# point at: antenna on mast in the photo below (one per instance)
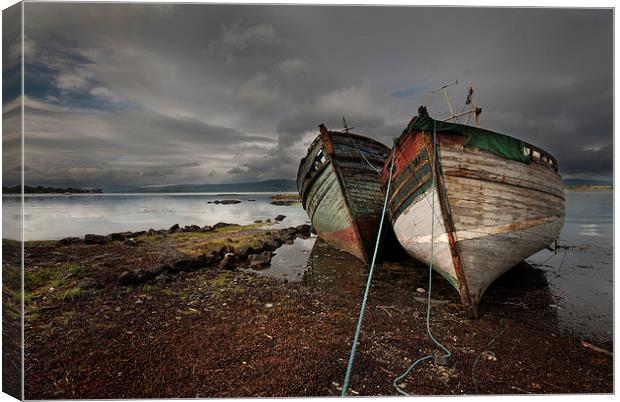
(473, 110)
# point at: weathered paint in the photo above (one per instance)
(496, 212)
(340, 192)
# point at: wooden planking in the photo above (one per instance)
(457, 159)
(343, 196)
(413, 228)
(502, 210)
(515, 211)
(486, 258)
(326, 204)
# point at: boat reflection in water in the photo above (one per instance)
(332, 270)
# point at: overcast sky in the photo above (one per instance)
(167, 94)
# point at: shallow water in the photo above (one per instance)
(52, 217)
(580, 275)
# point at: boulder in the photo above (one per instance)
(68, 240)
(95, 239)
(303, 229)
(280, 218)
(174, 228)
(261, 260)
(244, 252)
(228, 261)
(151, 232)
(191, 228)
(206, 228)
(131, 242)
(226, 202)
(127, 278)
(223, 225)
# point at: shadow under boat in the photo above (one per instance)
(332, 270)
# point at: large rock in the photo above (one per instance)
(174, 228)
(191, 228)
(223, 225)
(69, 240)
(243, 252)
(225, 202)
(228, 261)
(95, 239)
(127, 278)
(271, 244)
(303, 229)
(261, 260)
(280, 218)
(120, 236)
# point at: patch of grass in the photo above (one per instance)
(39, 243)
(149, 288)
(70, 293)
(52, 276)
(222, 280)
(180, 293)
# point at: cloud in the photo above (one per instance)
(137, 92)
(261, 94)
(105, 93)
(292, 67)
(74, 80)
(408, 92)
(237, 170)
(235, 38)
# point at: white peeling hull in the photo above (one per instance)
(503, 211)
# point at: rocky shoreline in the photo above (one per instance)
(183, 312)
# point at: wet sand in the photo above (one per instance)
(162, 316)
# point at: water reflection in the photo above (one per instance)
(334, 271)
(581, 273)
(51, 217)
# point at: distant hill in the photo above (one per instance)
(586, 183)
(280, 185)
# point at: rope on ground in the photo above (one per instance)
(347, 378)
(447, 354)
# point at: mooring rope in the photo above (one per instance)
(347, 377)
(447, 354)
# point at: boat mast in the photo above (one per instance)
(470, 105)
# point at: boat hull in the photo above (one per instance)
(340, 191)
(486, 213)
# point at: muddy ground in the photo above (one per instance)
(159, 314)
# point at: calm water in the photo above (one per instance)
(580, 275)
(54, 217)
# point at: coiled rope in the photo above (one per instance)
(447, 354)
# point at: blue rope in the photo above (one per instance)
(430, 283)
(347, 377)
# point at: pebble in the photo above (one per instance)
(420, 290)
(268, 305)
(117, 309)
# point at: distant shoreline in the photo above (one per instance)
(589, 188)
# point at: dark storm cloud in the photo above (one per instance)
(157, 94)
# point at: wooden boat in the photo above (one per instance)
(497, 200)
(340, 186)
